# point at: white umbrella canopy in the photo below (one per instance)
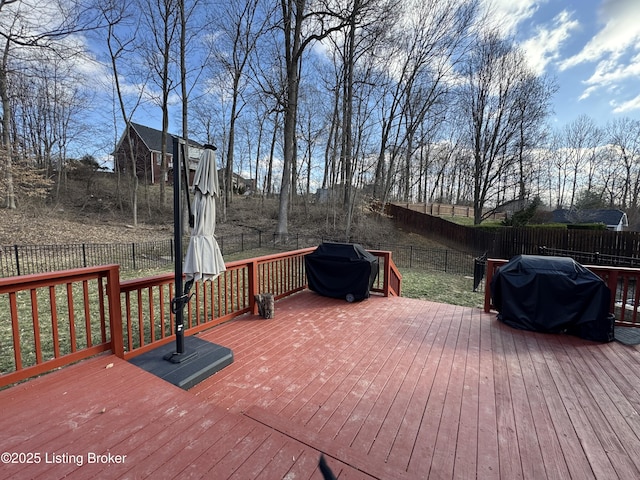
(203, 260)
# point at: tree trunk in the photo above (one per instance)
(293, 35)
(10, 201)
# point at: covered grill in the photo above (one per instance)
(552, 295)
(341, 270)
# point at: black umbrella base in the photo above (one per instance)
(200, 360)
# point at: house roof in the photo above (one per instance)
(609, 217)
(153, 138)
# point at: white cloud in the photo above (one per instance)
(620, 32)
(508, 14)
(545, 46)
(628, 106)
(611, 74)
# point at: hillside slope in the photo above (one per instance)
(90, 219)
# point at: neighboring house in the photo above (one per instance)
(147, 145)
(240, 184)
(614, 219)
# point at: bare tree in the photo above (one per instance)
(491, 101)
(429, 42)
(162, 21)
(624, 138)
(239, 24)
(301, 25)
(27, 26)
(581, 140)
(121, 46)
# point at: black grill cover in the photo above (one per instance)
(341, 270)
(552, 295)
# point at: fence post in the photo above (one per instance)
(84, 255)
(242, 242)
(133, 254)
(411, 256)
(446, 260)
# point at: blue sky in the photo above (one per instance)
(590, 47)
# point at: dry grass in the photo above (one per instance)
(96, 217)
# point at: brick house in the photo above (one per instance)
(147, 145)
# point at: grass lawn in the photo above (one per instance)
(440, 287)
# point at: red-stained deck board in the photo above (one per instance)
(527, 438)
(466, 447)
(627, 421)
(548, 446)
(343, 352)
(436, 409)
(405, 441)
(392, 392)
(384, 383)
(565, 379)
(386, 388)
(381, 433)
(488, 463)
(442, 464)
(339, 407)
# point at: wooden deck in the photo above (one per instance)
(388, 388)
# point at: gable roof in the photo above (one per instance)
(610, 217)
(152, 138)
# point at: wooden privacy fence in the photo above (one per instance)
(506, 242)
(52, 319)
(447, 210)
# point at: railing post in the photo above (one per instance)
(387, 273)
(612, 283)
(487, 283)
(253, 285)
(115, 311)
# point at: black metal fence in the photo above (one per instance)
(585, 258)
(593, 258)
(29, 259)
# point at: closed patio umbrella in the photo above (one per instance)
(203, 260)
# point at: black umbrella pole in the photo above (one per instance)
(180, 300)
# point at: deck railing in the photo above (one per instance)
(53, 319)
(624, 284)
(147, 318)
